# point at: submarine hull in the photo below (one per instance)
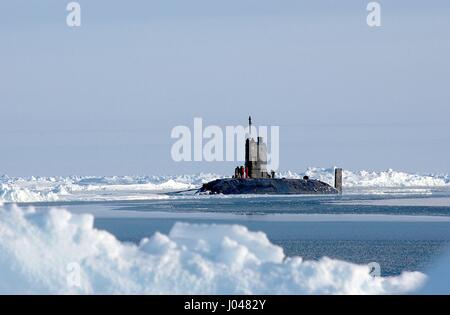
(267, 186)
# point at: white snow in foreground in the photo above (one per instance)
(56, 251)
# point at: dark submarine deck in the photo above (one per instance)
(267, 186)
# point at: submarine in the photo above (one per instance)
(253, 177)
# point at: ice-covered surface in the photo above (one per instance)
(90, 188)
(371, 179)
(55, 251)
(402, 202)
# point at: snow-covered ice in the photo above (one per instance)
(55, 251)
(105, 188)
(371, 179)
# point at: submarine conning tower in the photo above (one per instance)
(256, 168)
(253, 178)
(256, 155)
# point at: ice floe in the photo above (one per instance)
(55, 251)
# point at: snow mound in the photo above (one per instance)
(56, 251)
(14, 194)
(48, 189)
(371, 179)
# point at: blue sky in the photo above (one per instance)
(102, 99)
